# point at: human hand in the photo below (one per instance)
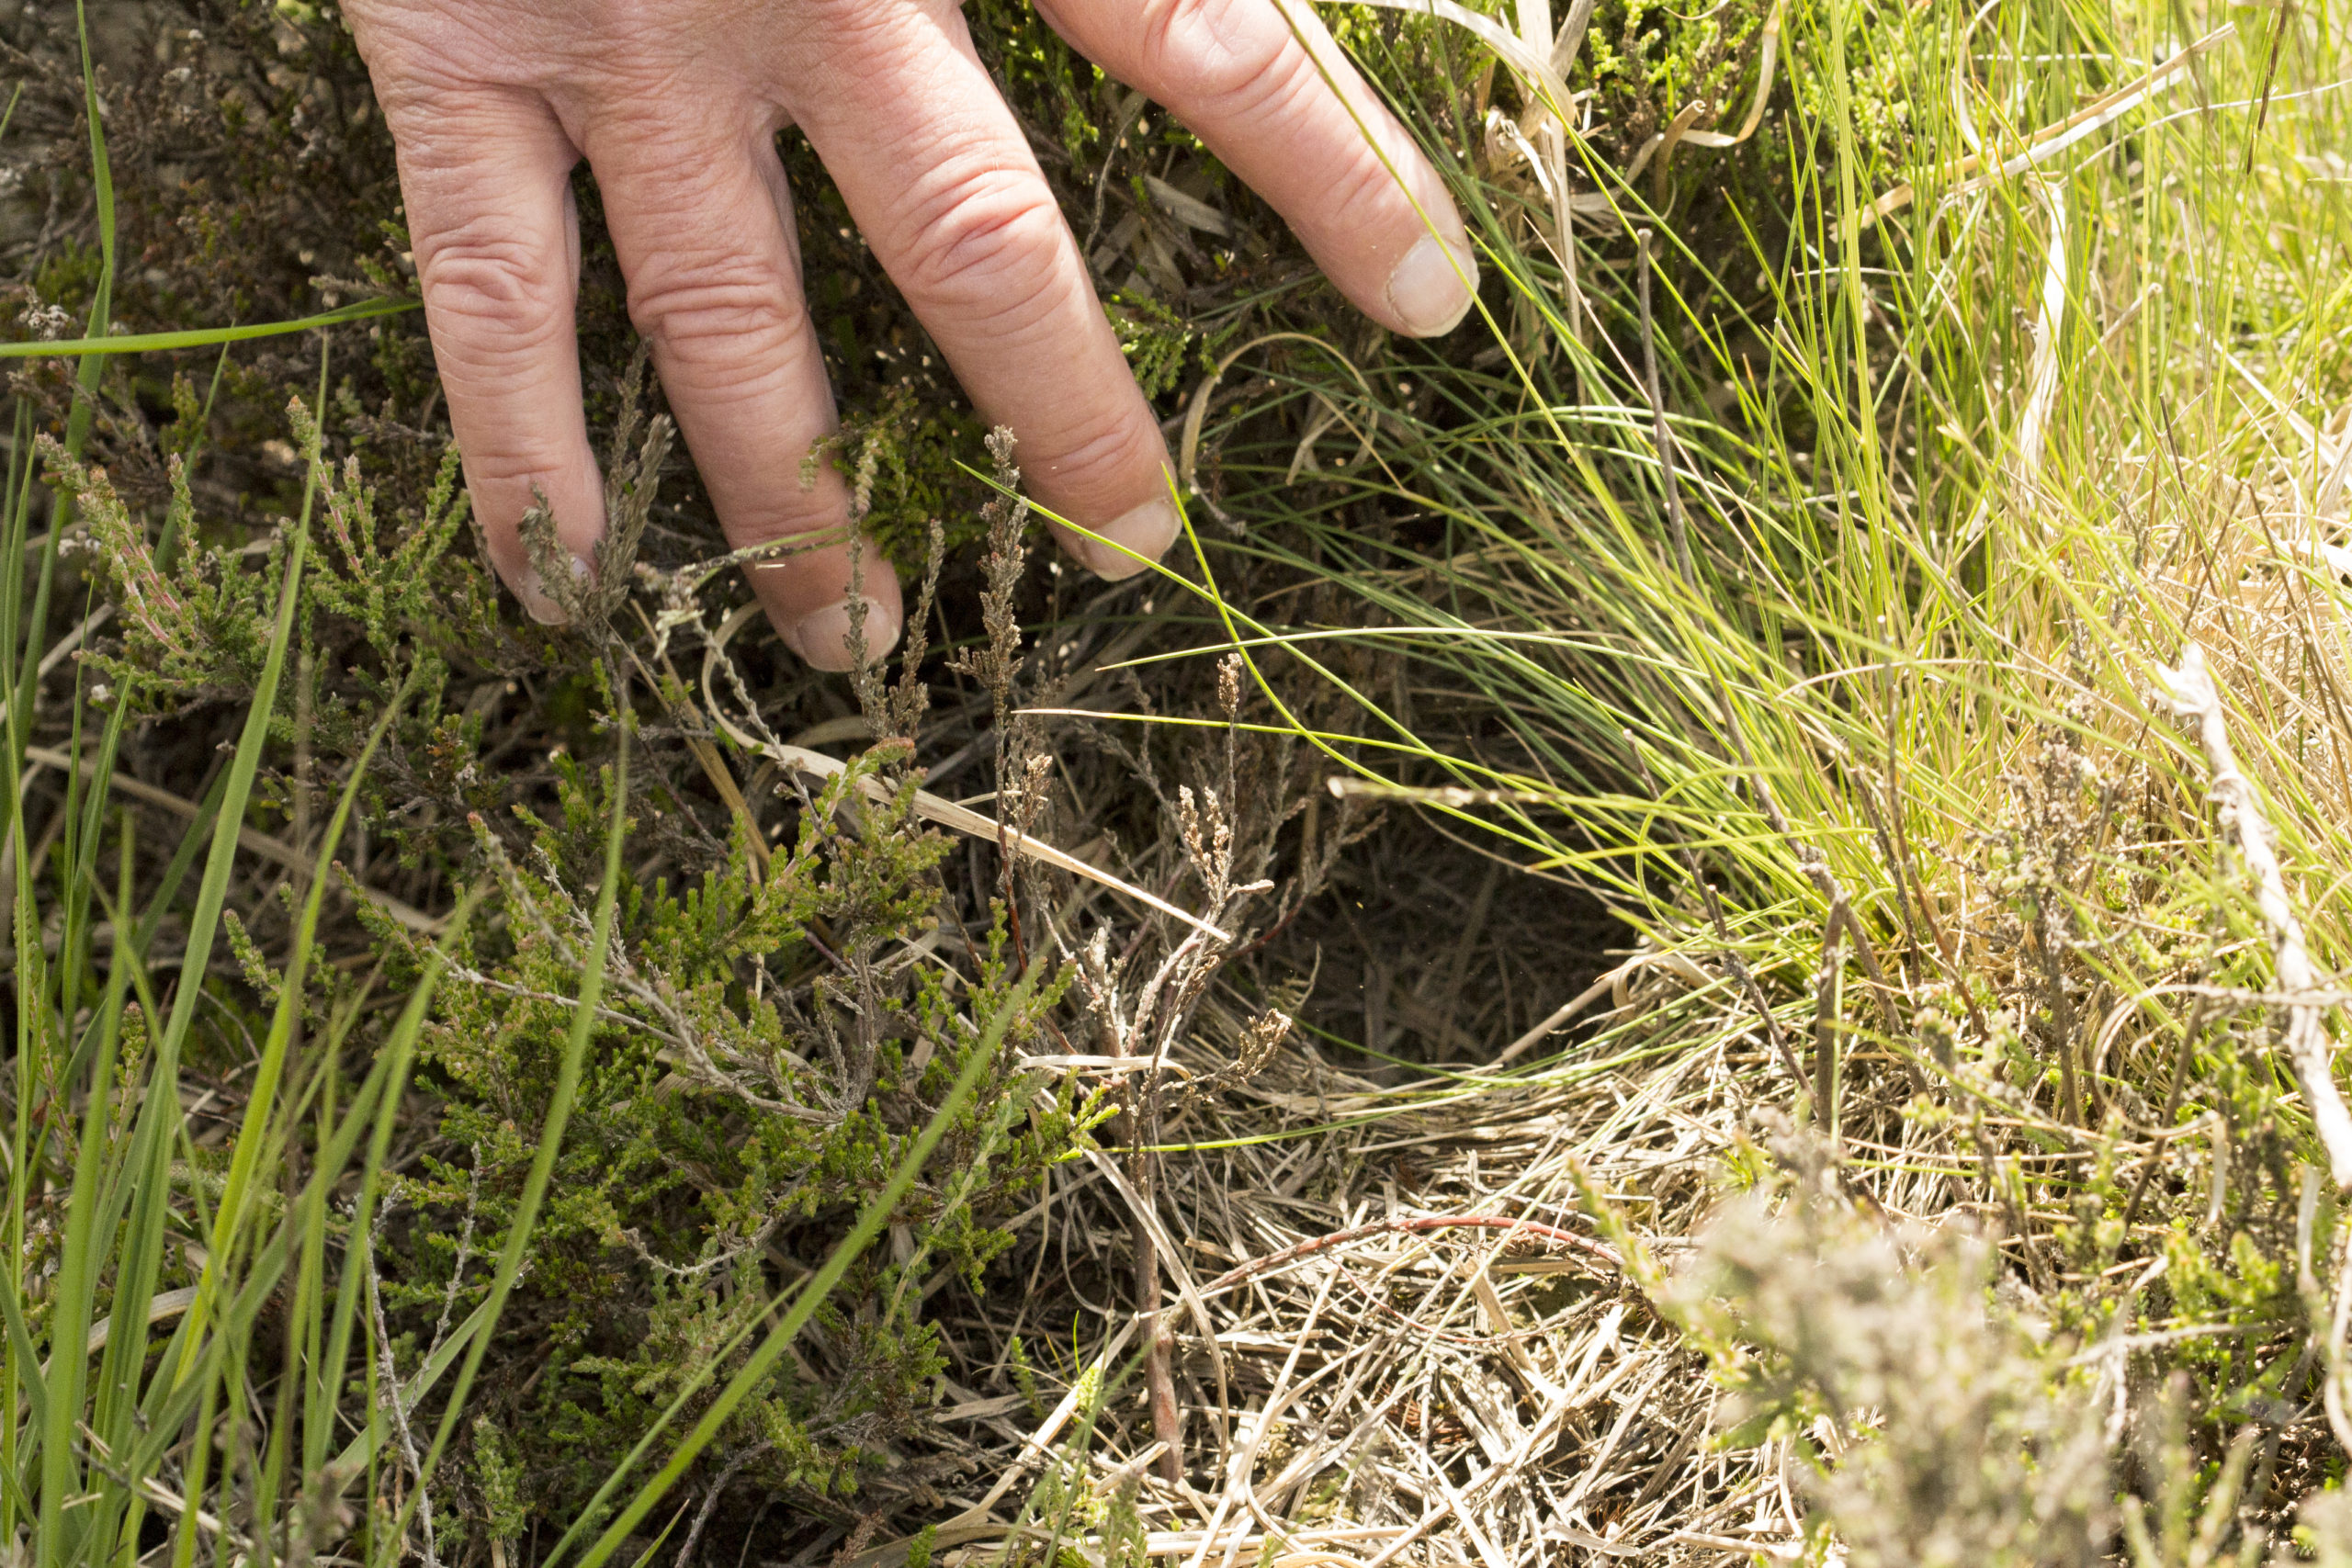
(676, 104)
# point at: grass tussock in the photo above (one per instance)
(1879, 573)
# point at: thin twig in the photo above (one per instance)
(2198, 701)
(710, 1499)
(399, 1409)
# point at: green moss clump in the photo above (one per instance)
(1162, 349)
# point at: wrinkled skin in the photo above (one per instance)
(675, 104)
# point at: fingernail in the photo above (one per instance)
(821, 636)
(1426, 291)
(538, 603)
(1147, 531)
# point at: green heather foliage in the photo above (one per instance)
(197, 629)
(748, 1086)
(772, 1034)
(1646, 60)
(1875, 668)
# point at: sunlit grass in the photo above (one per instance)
(1982, 466)
(1877, 719)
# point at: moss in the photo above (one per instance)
(1051, 87)
(909, 466)
(1647, 60)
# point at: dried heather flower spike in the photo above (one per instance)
(1007, 513)
(1024, 797)
(630, 480)
(1960, 1441)
(1248, 1048)
(865, 675)
(562, 576)
(909, 699)
(589, 593)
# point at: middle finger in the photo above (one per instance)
(701, 223)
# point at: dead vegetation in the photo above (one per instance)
(1769, 1052)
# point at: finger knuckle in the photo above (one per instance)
(982, 238)
(1362, 193)
(854, 24)
(1209, 53)
(495, 283)
(711, 314)
(1101, 461)
(510, 464)
(787, 516)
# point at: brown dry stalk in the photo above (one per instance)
(2198, 703)
(1160, 1350)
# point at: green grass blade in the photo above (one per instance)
(75, 1282)
(256, 1134)
(74, 1294)
(213, 892)
(92, 348)
(88, 374)
(558, 1112)
(393, 1065)
(18, 1358)
(376, 1106)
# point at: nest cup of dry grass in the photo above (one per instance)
(1697, 925)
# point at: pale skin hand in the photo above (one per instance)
(675, 104)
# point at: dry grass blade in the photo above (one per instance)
(252, 840)
(1768, 59)
(1422, 1225)
(2051, 141)
(1536, 69)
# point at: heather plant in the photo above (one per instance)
(196, 629)
(771, 1035)
(1937, 1425)
(775, 1031)
(1828, 628)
